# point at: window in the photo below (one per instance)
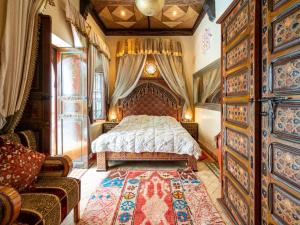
(98, 97)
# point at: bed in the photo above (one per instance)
(149, 129)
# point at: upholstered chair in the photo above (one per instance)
(50, 199)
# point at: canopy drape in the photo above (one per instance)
(209, 83)
(18, 56)
(168, 55)
(171, 69)
(105, 65)
(75, 18)
(148, 46)
(130, 69)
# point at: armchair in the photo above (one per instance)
(48, 201)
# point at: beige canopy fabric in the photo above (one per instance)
(130, 68)
(171, 69)
(138, 46)
(75, 18)
(18, 55)
(99, 44)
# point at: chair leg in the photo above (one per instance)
(77, 213)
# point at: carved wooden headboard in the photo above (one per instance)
(151, 97)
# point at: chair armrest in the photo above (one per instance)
(56, 166)
(10, 205)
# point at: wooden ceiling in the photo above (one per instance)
(116, 17)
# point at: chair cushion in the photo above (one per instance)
(67, 189)
(19, 166)
(39, 207)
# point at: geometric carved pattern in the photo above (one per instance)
(285, 206)
(237, 24)
(237, 113)
(236, 199)
(151, 98)
(287, 120)
(238, 54)
(237, 142)
(237, 171)
(241, 75)
(287, 29)
(126, 16)
(285, 163)
(237, 83)
(286, 75)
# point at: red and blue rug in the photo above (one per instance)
(151, 198)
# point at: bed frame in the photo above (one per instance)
(150, 97)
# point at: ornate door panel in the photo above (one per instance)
(281, 112)
(72, 106)
(37, 113)
(240, 120)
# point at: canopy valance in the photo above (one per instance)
(148, 46)
(75, 18)
(101, 46)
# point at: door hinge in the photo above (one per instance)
(276, 99)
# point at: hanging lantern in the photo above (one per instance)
(149, 7)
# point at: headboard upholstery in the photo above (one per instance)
(151, 97)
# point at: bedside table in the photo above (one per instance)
(192, 128)
(107, 126)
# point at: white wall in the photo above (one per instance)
(209, 121)
(60, 27)
(203, 59)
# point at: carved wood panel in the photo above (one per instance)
(37, 113)
(281, 107)
(240, 120)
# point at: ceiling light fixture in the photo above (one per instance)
(174, 13)
(150, 7)
(123, 13)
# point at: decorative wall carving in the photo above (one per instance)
(237, 142)
(151, 98)
(237, 113)
(237, 54)
(287, 121)
(238, 202)
(238, 23)
(237, 83)
(285, 163)
(237, 171)
(285, 207)
(286, 75)
(286, 30)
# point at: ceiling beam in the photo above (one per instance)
(146, 32)
(167, 2)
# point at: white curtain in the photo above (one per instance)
(171, 69)
(105, 66)
(130, 69)
(18, 54)
(94, 61)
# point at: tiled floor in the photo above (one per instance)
(91, 179)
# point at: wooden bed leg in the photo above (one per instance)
(101, 161)
(192, 163)
(77, 213)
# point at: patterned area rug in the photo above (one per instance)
(151, 198)
(214, 167)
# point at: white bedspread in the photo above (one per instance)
(143, 133)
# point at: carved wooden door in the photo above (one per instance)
(240, 116)
(281, 112)
(37, 113)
